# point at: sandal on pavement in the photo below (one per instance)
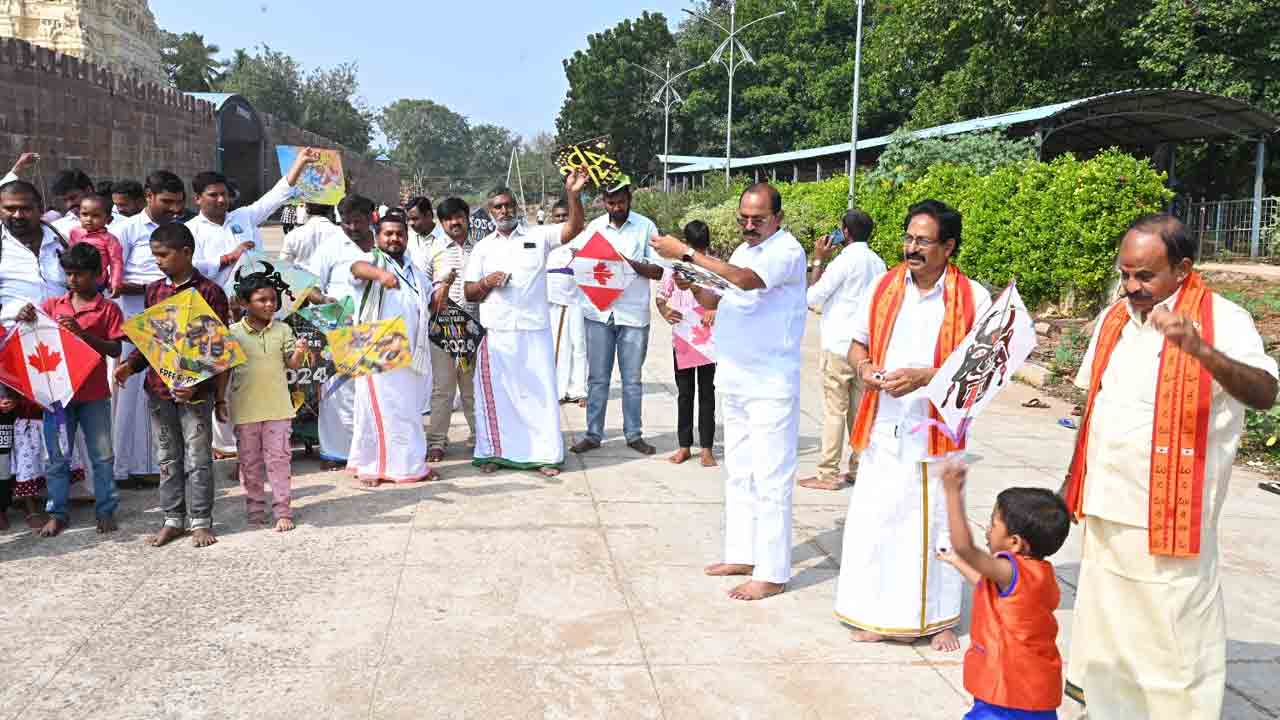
(1036, 403)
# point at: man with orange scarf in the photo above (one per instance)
(892, 584)
(1169, 372)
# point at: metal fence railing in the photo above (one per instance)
(1224, 228)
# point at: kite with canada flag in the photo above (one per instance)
(601, 273)
(45, 363)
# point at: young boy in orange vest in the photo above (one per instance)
(1012, 668)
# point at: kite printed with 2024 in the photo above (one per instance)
(321, 182)
(596, 156)
(183, 340)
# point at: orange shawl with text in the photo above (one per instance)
(1179, 434)
(957, 319)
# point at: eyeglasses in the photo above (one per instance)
(746, 221)
(922, 242)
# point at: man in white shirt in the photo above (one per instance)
(622, 329)
(301, 245)
(223, 235)
(424, 231)
(127, 200)
(332, 263)
(441, 264)
(1169, 372)
(892, 582)
(517, 413)
(837, 293)
(131, 427)
(566, 318)
(30, 272)
(758, 329)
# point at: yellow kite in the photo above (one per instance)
(370, 348)
(184, 340)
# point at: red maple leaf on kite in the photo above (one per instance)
(602, 273)
(700, 334)
(44, 361)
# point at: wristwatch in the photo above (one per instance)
(687, 257)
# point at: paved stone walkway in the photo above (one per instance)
(510, 596)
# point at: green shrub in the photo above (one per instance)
(1052, 226)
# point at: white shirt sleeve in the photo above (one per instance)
(1236, 336)
(777, 264)
(9, 177)
(474, 270)
(862, 318)
(278, 195)
(290, 249)
(834, 276)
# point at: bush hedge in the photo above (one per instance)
(1053, 226)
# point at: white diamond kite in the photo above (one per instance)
(602, 274)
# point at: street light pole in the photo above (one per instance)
(857, 81)
(667, 97)
(732, 64)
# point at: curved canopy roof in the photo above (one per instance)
(1127, 118)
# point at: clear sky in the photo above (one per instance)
(496, 61)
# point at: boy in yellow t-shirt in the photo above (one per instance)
(261, 408)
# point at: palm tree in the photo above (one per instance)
(190, 63)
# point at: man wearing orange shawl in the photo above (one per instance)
(1169, 372)
(892, 584)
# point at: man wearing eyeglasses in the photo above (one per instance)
(759, 326)
(913, 317)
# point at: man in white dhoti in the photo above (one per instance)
(567, 328)
(757, 333)
(388, 443)
(517, 413)
(1148, 638)
(223, 235)
(131, 426)
(332, 262)
(892, 583)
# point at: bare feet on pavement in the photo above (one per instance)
(818, 483)
(489, 468)
(708, 458)
(945, 641)
(680, 456)
(202, 537)
(107, 525)
(548, 471)
(258, 518)
(723, 569)
(166, 535)
(756, 590)
(284, 524)
(52, 528)
(866, 636)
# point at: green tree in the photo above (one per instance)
(425, 137)
(192, 66)
(608, 95)
(491, 147)
(324, 101)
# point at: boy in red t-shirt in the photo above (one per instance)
(95, 213)
(85, 313)
(1013, 668)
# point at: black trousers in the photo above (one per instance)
(704, 377)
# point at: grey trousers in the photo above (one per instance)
(183, 437)
(445, 379)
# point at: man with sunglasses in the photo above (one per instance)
(759, 326)
(892, 583)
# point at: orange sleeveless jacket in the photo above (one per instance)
(1013, 658)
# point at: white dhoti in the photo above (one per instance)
(760, 459)
(131, 423)
(891, 580)
(517, 411)
(571, 350)
(337, 413)
(388, 442)
(224, 437)
(1148, 639)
